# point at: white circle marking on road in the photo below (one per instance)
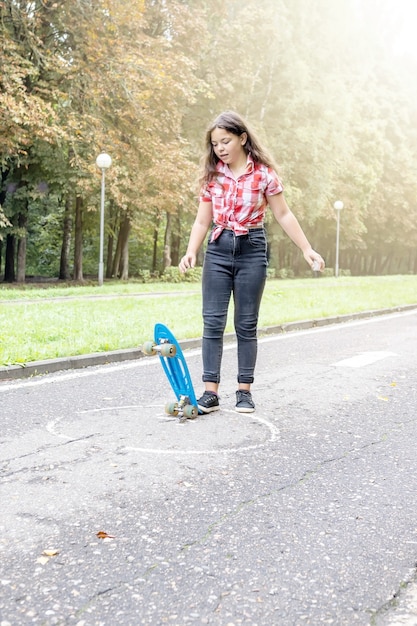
(53, 427)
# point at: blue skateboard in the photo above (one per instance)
(176, 370)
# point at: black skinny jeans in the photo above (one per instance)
(233, 264)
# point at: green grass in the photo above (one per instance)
(43, 323)
(66, 290)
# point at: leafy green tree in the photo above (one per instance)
(327, 109)
(27, 114)
(142, 79)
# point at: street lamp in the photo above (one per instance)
(103, 162)
(338, 206)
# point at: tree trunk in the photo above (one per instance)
(155, 244)
(109, 261)
(21, 259)
(251, 90)
(9, 269)
(124, 245)
(78, 242)
(117, 255)
(266, 99)
(22, 221)
(3, 178)
(64, 272)
(110, 239)
(167, 242)
(176, 240)
(383, 265)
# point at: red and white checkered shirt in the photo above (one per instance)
(239, 204)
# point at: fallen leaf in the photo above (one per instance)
(103, 535)
(50, 552)
(42, 560)
(382, 398)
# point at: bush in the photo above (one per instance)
(329, 272)
(285, 272)
(145, 276)
(173, 275)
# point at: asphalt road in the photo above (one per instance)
(302, 513)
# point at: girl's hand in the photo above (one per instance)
(187, 262)
(315, 261)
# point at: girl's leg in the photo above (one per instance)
(217, 287)
(249, 282)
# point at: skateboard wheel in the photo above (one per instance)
(171, 408)
(148, 348)
(168, 349)
(190, 411)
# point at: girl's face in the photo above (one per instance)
(228, 147)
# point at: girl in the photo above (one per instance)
(238, 182)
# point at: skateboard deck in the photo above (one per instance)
(176, 370)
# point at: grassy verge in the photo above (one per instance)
(37, 324)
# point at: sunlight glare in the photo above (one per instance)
(404, 18)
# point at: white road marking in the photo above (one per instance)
(365, 358)
(274, 432)
(55, 428)
(64, 375)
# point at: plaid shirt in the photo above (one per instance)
(240, 204)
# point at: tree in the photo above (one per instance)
(142, 80)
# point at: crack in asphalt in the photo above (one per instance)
(40, 450)
(393, 603)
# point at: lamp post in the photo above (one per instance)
(338, 206)
(103, 162)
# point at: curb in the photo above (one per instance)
(36, 368)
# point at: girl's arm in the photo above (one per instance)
(289, 223)
(199, 231)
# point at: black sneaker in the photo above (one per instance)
(244, 402)
(208, 402)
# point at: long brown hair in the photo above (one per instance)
(235, 124)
